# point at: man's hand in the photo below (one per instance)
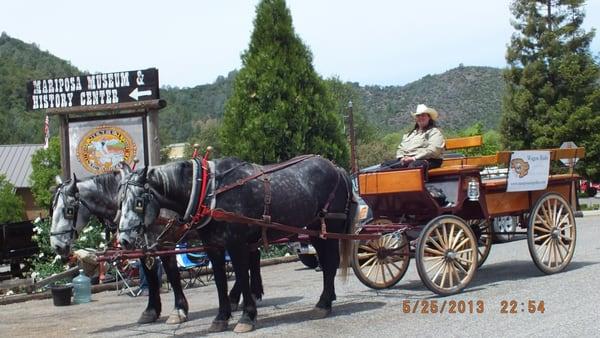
(407, 159)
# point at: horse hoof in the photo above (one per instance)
(243, 327)
(148, 316)
(320, 313)
(218, 326)
(177, 316)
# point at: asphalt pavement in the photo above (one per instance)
(507, 282)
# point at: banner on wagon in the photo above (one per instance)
(528, 170)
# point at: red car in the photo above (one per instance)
(590, 188)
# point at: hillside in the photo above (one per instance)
(463, 96)
(19, 63)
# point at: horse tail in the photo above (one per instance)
(351, 220)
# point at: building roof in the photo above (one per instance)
(15, 163)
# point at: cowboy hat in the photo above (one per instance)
(423, 109)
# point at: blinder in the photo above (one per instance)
(140, 202)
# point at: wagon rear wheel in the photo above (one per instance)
(551, 233)
(482, 228)
(382, 262)
(446, 255)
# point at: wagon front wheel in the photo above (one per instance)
(382, 262)
(551, 233)
(446, 255)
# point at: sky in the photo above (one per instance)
(191, 43)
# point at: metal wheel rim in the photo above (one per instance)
(552, 233)
(447, 255)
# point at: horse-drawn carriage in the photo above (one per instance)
(443, 218)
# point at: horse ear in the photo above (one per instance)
(124, 169)
(72, 187)
(144, 175)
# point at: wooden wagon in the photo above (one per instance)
(451, 235)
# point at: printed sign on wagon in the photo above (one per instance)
(528, 170)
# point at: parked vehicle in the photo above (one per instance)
(307, 253)
(16, 245)
(589, 187)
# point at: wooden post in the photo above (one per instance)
(353, 159)
(64, 147)
(153, 138)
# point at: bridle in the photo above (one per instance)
(70, 210)
(139, 204)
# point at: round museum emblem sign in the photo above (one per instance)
(103, 147)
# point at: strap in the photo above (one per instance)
(270, 169)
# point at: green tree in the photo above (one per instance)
(11, 205)
(552, 93)
(280, 107)
(45, 166)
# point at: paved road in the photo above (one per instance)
(571, 304)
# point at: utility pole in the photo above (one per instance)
(353, 159)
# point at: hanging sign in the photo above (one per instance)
(92, 90)
(528, 170)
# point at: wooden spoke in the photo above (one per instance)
(366, 255)
(368, 248)
(465, 241)
(368, 263)
(433, 251)
(542, 237)
(433, 241)
(441, 261)
(441, 238)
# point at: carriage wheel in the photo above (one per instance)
(446, 255)
(551, 233)
(382, 262)
(482, 228)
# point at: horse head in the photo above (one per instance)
(68, 217)
(139, 207)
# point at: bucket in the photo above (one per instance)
(61, 294)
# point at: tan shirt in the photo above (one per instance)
(422, 145)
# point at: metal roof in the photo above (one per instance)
(15, 163)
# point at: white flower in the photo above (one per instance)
(103, 235)
(88, 229)
(34, 238)
(36, 229)
(34, 276)
(56, 259)
(37, 220)
(41, 255)
(82, 238)
(101, 246)
(10, 292)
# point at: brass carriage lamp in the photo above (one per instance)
(473, 189)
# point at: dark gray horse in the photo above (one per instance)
(306, 191)
(75, 201)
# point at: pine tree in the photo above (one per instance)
(280, 107)
(553, 91)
